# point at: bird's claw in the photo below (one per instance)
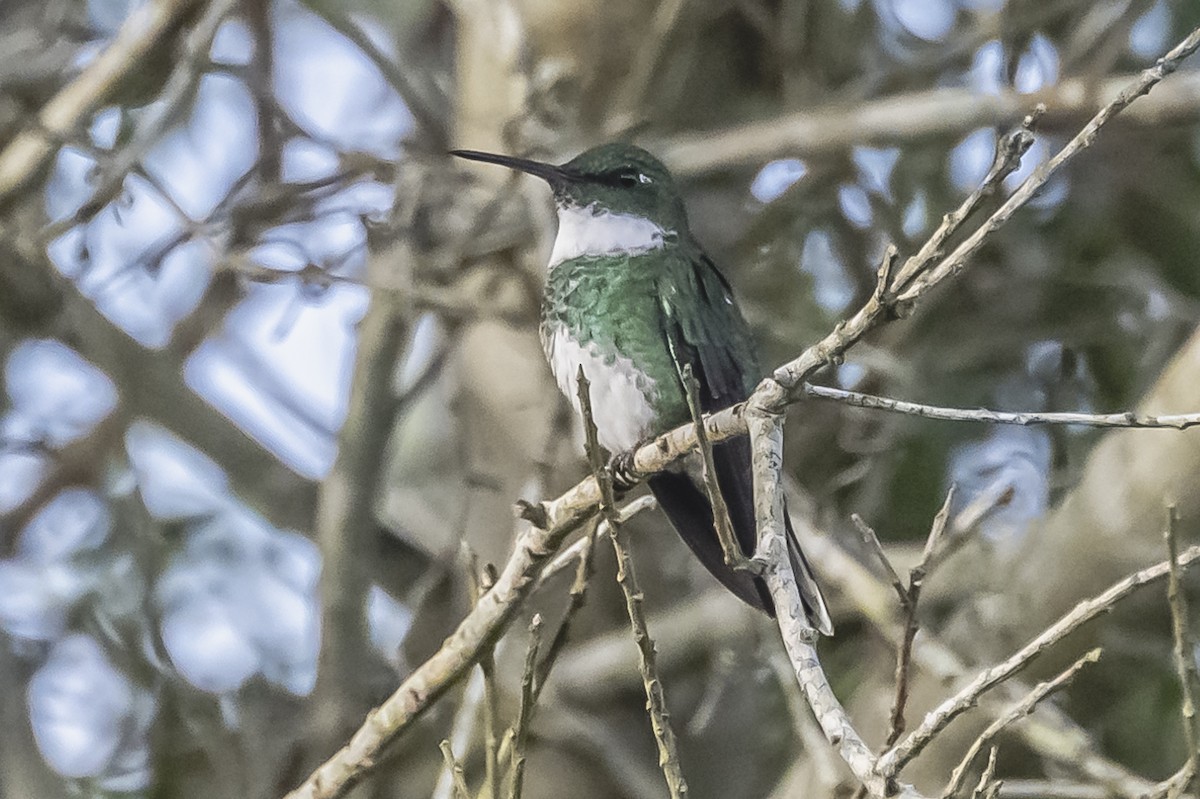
(620, 467)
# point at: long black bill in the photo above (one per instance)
(550, 173)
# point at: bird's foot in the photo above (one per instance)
(620, 466)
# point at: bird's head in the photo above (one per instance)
(616, 179)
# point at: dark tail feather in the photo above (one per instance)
(690, 514)
(810, 593)
(686, 505)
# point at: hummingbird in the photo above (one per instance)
(632, 297)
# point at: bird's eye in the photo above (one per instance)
(628, 178)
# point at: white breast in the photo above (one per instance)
(595, 231)
(618, 392)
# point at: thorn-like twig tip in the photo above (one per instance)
(533, 512)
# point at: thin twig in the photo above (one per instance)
(916, 578)
(1065, 789)
(1185, 660)
(885, 302)
(1049, 732)
(520, 731)
(1175, 786)
(461, 732)
(920, 275)
(570, 555)
(984, 788)
(884, 275)
(608, 505)
(456, 771)
(656, 704)
(909, 597)
(1013, 714)
(458, 653)
(475, 692)
(937, 719)
(872, 540)
(732, 552)
(575, 600)
(956, 261)
(995, 494)
(491, 723)
(1010, 149)
(1179, 421)
(1053, 789)
(937, 531)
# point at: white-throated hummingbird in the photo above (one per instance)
(632, 297)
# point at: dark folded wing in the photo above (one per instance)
(705, 329)
(687, 506)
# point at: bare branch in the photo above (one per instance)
(1016, 712)
(602, 475)
(799, 638)
(68, 110)
(909, 597)
(1064, 789)
(1174, 787)
(1059, 789)
(1180, 421)
(576, 597)
(520, 731)
(872, 540)
(955, 262)
(886, 299)
(572, 553)
(913, 117)
(937, 719)
(112, 171)
(1185, 648)
(482, 626)
(456, 770)
(344, 522)
(986, 788)
(656, 703)
(461, 731)
(491, 711)
(1048, 732)
(1010, 149)
(916, 578)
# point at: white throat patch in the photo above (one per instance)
(592, 231)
